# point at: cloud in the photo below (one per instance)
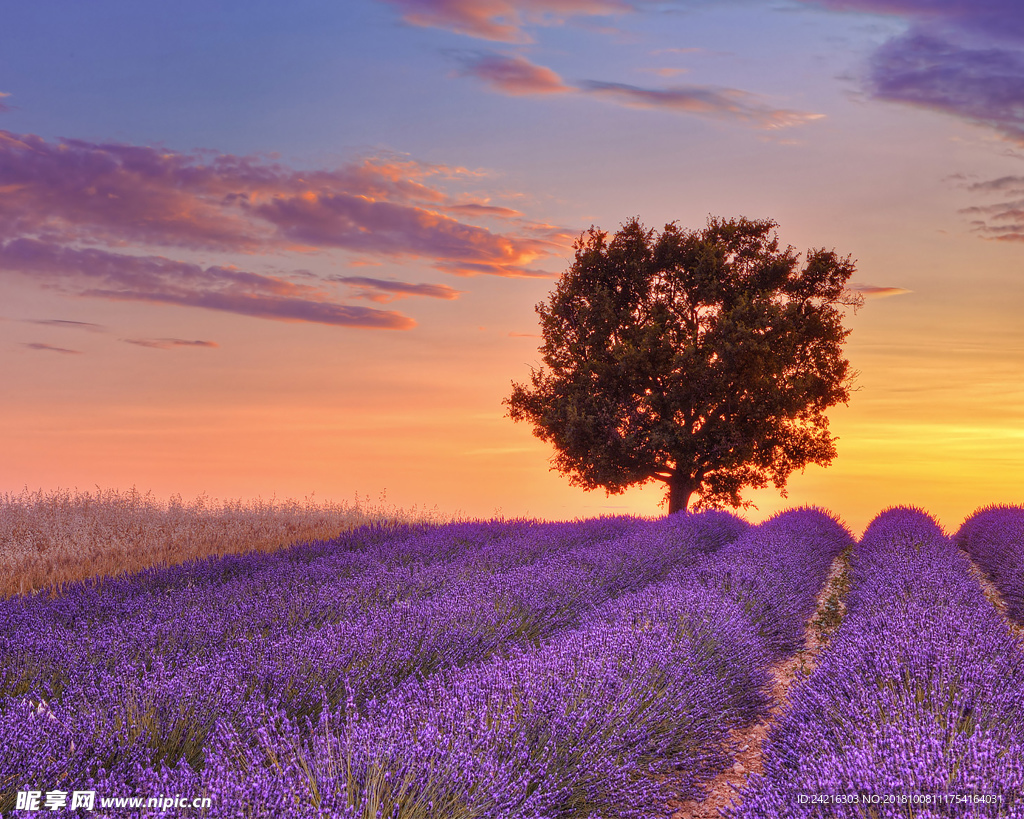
(962, 57)
(1003, 221)
(121, 194)
(386, 290)
(985, 85)
(118, 276)
(357, 223)
(3, 105)
(73, 211)
(1002, 17)
(487, 269)
(874, 291)
(517, 76)
(511, 74)
(51, 349)
(666, 72)
(74, 325)
(525, 335)
(500, 20)
(475, 209)
(696, 99)
(1009, 184)
(167, 343)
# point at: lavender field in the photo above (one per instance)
(518, 669)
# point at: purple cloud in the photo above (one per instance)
(729, 103)
(486, 269)
(1003, 221)
(51, 349)
(981, 84)
(89, 216)
(167, 343)
(1001, 17)
(75, 191)
(99, 273)
(962, 57)
(74, 325)
(385, 290)
(1008, 184)
(356, 223)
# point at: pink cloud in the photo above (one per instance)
(500, 20)
(513, 74)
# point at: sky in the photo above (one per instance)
(263, 249)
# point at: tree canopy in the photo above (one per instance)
(703, 359)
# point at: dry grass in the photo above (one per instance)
(47, 540)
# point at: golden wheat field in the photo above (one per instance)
(48, 539)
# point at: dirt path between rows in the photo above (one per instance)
(722, 789)
(992, 593)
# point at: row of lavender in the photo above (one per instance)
(612, 718)
(617, 689)
(135, 673)
(994, 538)
(916, 704)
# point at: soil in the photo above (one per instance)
(722, 790)
(992, 593)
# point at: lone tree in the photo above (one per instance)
(702, 359)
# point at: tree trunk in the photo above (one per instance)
(680, 488)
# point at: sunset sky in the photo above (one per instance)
(262, 248)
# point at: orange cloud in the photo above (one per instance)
(873, 291)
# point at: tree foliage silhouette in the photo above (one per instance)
(703, 359)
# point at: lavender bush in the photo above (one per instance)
(921, 692)
(126, 682)
(611, 718)
(994, 538)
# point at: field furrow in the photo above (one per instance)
(915, 708)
